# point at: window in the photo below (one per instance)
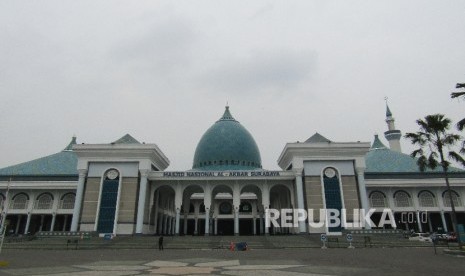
(402, 199)
(44, 201)
(455, 199)
(67, 201)
(426, 199)
(377, 199)
(19, 201)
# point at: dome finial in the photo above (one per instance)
(227, 114)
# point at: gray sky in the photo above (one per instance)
(163, 71)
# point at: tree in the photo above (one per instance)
(435, 142)
(461, 123)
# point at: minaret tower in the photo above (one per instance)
(393, 135)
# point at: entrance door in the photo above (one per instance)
(332, 194)
(225, 227)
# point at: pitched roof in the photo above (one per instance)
(317, 138)
(61, 163)
(126, 139)
(381, 159)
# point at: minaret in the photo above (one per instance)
(393, 135)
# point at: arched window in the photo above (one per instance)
(378, 199)
(402, 199)
(20, 201)
(67, 201)
(455, 199)
(44, 201)
(426, 199)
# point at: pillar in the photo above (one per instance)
(363, 191)
(65, 222)
(207, 221)
(444, 223)
(178, 217)
(254, 225)
(165, 223)
(17, 224)
(216, 226)
(300, 197)
(28, 222)
(185, 223)
(420, 228)
(142, 196)
(52, 225)
(41, 222)
(160, 224)
(236, 220)
(155, 220)
(78, 200)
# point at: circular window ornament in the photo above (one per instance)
(225, 208)
(112, 174)
(330, 173)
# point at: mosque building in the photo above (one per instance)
(123, 187)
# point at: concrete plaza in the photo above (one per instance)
(366, 261)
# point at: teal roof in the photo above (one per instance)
(380, 159)
(388, 111)
(227, 145)
(61, 163)
(377, 144)
(126, 139)
(317, 138)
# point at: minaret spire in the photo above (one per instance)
(392, 135)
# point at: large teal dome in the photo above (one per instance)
(227, 145)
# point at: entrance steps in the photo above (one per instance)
(212, 242)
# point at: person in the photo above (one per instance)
(160, 243)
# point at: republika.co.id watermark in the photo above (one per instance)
(328, 218)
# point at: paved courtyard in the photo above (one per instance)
(369, 261)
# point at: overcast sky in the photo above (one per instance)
(163, 71)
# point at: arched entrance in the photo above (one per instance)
(280, 198)
(163, 215)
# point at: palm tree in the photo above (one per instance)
(461, 123)
(435, 141)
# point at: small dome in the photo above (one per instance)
(227, 145)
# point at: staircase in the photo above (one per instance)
(211, 242)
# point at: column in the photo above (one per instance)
(165, 222)
(52, 225)
(65, 222)
(216, 226)
(254, 225)
(78, 200)
(430, 225)
(17, 224)
(207, 221)
(363, 191)
(196, 227)
(185, 223)
(178, 216)
(142, 196)
(420, 228)
(236, 206)
(300, 197)
(160, 224)
(41, 222)
(155, 220)
(28, 221)
(443, 219)
(236, 220)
